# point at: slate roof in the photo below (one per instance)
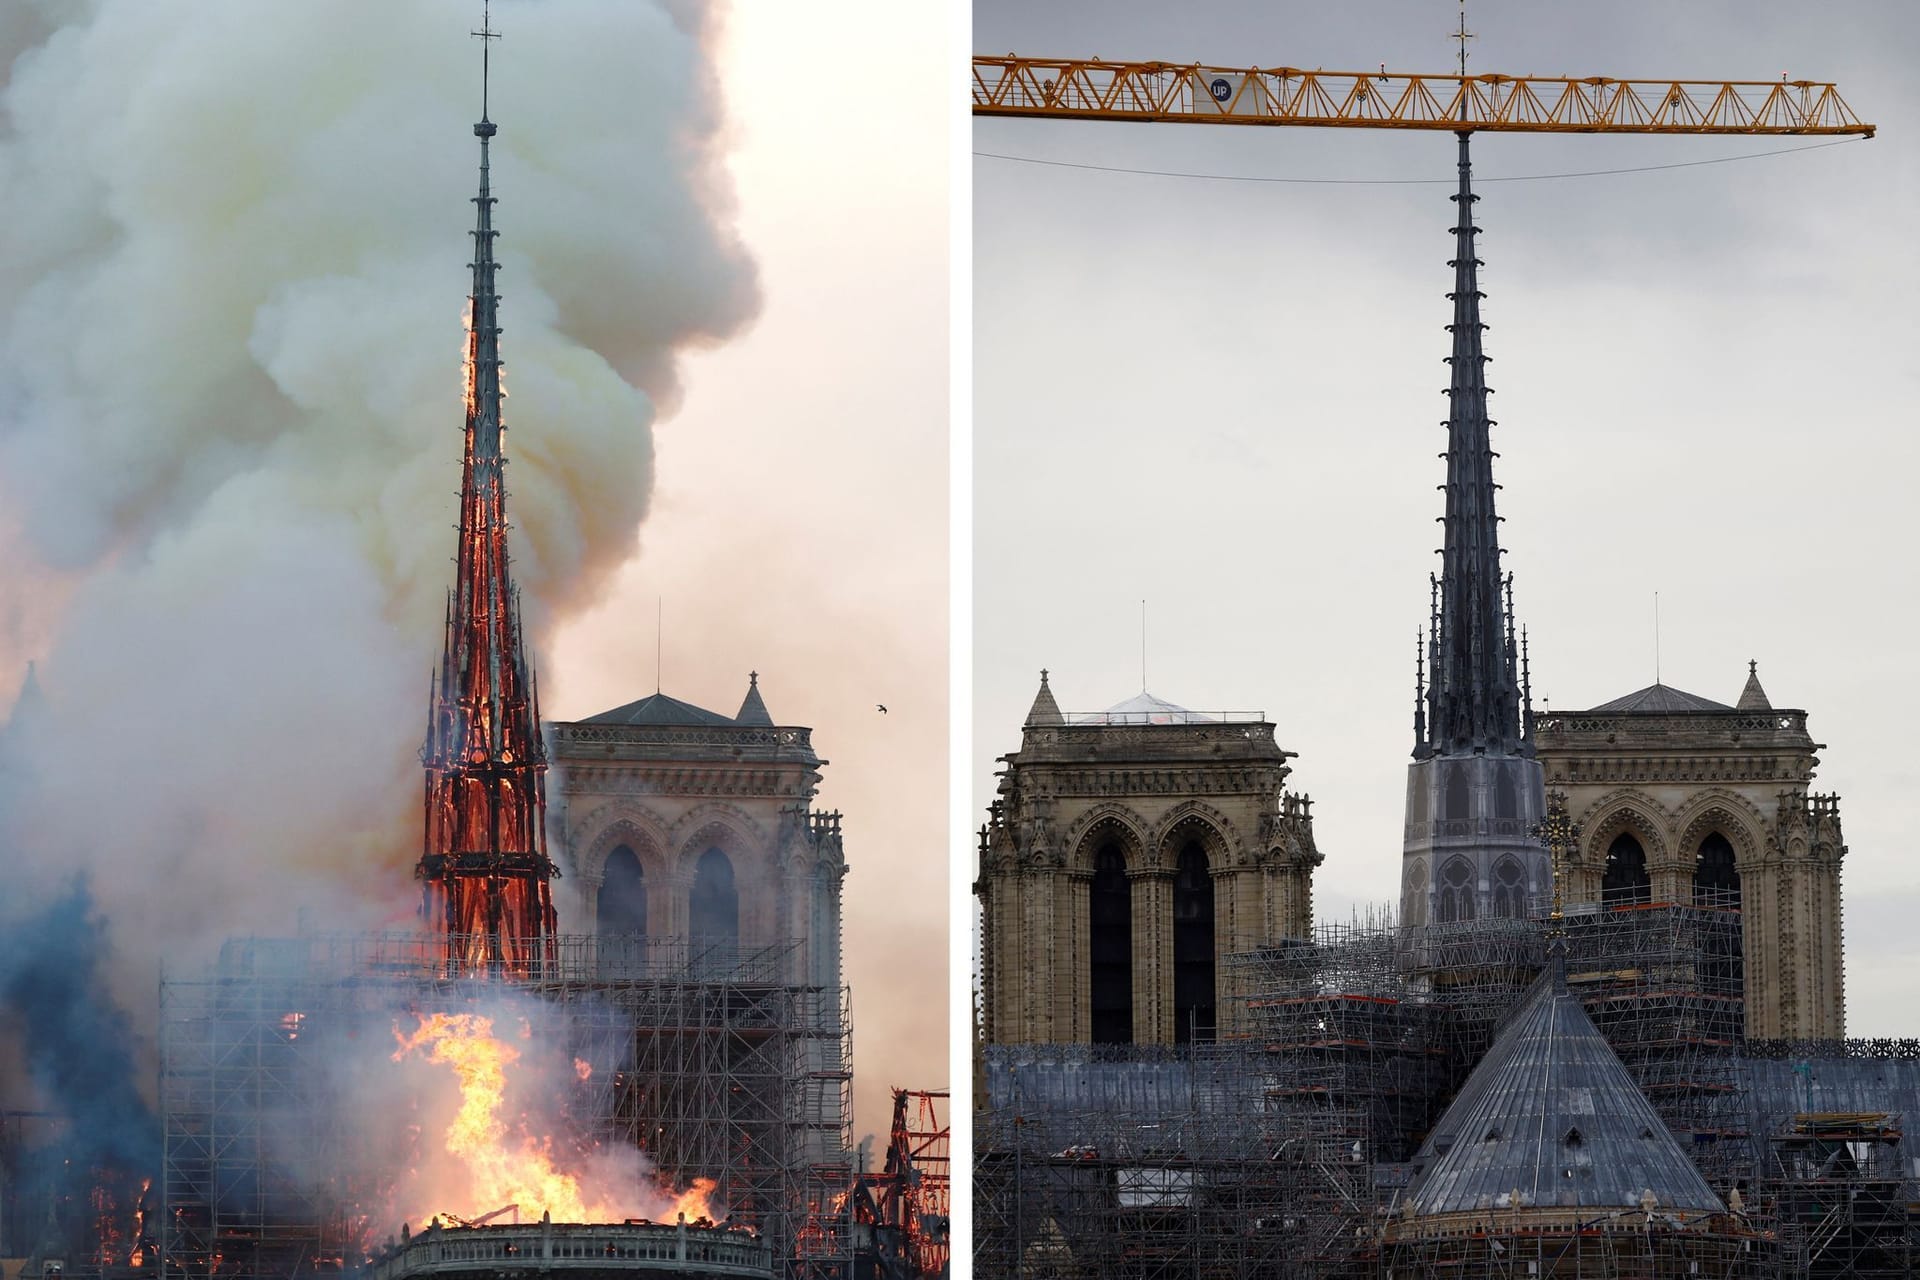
(1552, 1114)
(658, 708)
(1658, 698)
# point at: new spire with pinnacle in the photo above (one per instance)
(484, 860)
(1473, 700)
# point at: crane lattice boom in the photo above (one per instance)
(1089, 89)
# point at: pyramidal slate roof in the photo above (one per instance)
(1753, 697)
(1044, 709)
(658, 708)
(1551, 1115)
(753, 708)
(1657, 698)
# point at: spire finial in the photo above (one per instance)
(487, 36)
(1462, 35)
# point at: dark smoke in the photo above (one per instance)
(77, 1045)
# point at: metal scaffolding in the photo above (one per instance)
(712, 1061)
(1839, 1198)
(1279, 1150)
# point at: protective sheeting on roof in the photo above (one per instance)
(1550, 1118)
(659, 709)
(1144, 708)
(1660, 698)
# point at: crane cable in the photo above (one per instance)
(1400, 182)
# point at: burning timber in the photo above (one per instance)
(587, 1251)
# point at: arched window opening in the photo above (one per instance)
(1456, 892)
(1110, 946)
(1716, 883)
(1509, 889)
(1459, 801)
(1414, 909)
(1506, 797)
(1716, 880)
(1194, 1008)
(713, 917)
(623, 896)
(1625, 881)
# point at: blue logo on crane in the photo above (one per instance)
(1220, 89)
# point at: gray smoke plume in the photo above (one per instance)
(231, 298)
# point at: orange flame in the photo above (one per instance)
(503, 1169)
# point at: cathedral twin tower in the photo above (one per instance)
(1131, 852)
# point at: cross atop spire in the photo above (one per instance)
(487, 36)
(1473, 692)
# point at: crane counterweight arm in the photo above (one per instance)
(1090, 89)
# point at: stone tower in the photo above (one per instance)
(1127, 854)
(685, 827)
(1474, 789)
(1682, 799)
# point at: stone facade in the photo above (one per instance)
(678, 823)
(1682, 799)
(1127, 854)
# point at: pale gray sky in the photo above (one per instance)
(1225, 397)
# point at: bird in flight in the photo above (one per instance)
(882, 706)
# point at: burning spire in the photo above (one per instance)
(484, 860)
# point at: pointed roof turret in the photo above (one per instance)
(1753, 697)
(1551, 1119)
(1473, 693)
(753, 710)
(1044, 710)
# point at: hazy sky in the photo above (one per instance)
(800, 516)
(1225, 397)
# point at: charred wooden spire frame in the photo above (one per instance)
(484, 860)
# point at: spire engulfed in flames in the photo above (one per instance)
(506, 1164)
(485, 860)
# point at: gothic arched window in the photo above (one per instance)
(623, 896)
(1509, 889)
(1716, 880)
(1414, 910)
(1625, 880)
(1110, 946)
(1194, 1010)
(713, 916)
(1506, 797)
(1456, 892)
(1459, 802)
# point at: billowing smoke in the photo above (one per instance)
(231, 291)
(75, 1041)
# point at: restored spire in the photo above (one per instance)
(484, 859)
(1473, 695)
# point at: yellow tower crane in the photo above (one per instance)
(1190, 93)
